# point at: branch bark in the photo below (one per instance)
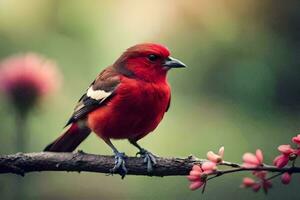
(22, 163)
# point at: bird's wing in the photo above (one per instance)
(169, 104)
(100, 90)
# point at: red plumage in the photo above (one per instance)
(136, 109)
(126, 101)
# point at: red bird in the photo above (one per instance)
(127, 100)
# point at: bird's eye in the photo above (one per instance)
(153, 57)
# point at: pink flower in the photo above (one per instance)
(196, 185)
(281, 161)
(208, 167)
(286, 149)
(251, 160)
(27, 78)
(296, 139)
(286, 178)
(196, 177)
(198, 174)
(249, 182)
(266, 184)
(260, 174)
(287, 154)
(256, 185)
(216, 158)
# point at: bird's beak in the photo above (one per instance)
(173, 63)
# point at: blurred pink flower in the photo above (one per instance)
(196, 177)
(266, 184)
(216, 158)
(296, 139)
(208, 167)
(260, 174)
(249, 182)
(281, 161)
(27, 78)
(286, 178)
(287, 154)
(286, 149)
(251, 160)
(256, 185)
(198, 174)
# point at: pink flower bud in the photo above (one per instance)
(195, 185)
(193, 178)
(208, 167)
(197, 168)
(266, 185)
(260, 174)
(296, 139)
(286, 178)
(195, 173)
(281, 161)
(196, 177)
(221, 151)
(256, 187)
(259, 156)
(216, 158)
(251, 160)
(213, 157)
(248, 182)
(285, 149)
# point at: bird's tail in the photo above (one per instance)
(72, 136)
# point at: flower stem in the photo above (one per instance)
(21, 136)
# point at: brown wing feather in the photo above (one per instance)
(100, 91)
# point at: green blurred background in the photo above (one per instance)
(241, 88)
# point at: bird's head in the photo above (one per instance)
(147, 61)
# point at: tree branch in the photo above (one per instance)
(22, 163)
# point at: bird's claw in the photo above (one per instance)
(119, 165)
(149, 159)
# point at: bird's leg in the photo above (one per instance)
(149, 158)
(119, 160)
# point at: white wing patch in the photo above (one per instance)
(97, 94)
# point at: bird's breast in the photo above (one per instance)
(135, 110)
